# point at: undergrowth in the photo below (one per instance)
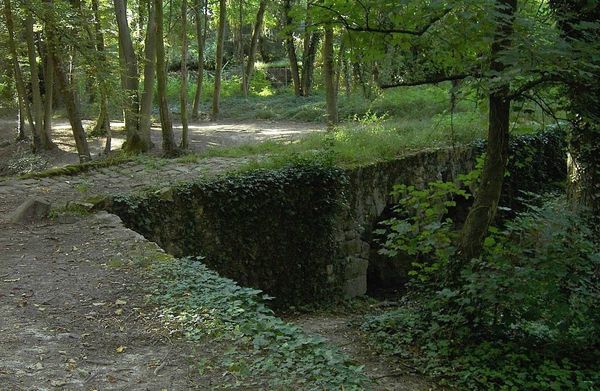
(522, 316)
(264, 350)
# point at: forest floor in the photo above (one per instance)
(74, 319)
(203, 135)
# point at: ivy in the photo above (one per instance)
(200, 304)
(267, 228)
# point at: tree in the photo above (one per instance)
(184, 79)
(103, 122)
(485, 205)
(219, 62)
(66, 89)
(249, 70)
(129, 74)
(291, 47)
(579, 24)
(24, 107)
(330, 78)
(41, 139)
(169, 147)
(201, 32)
(143, 136)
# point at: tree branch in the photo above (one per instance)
(368, 28)
(431, 80)
(534, 83)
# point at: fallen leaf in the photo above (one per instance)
(119, 311)
(121, 349)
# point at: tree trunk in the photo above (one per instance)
(583, 160)
(39, 140)
(253, 45)
(48, 92)
(129, 70)
(21, 93)
(291, 47)
(219, 66)
(184, 77)
(21, 136)
(485, 205)
(240, 38)
(103, 123)
(339, 66)
(169, 147)
(66, 90)
(201, 37)
(329, 73)
(142, 142)
(308, 63)
(347, 76)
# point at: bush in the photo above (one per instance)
(523, 316)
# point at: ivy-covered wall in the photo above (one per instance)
(303, 233)
(268, 229)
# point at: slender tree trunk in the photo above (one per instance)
(329, 73)
(339, 66)
(73, 110)
(169, 147)
(143, 142)
(21, 93)
(201, 37)
(219, 65)
(184, 77)
(290, 47)
(347, 76)
(129, 71)
(308, 63)
(48, 92)
(67, 92)
(241, 38)
(21, 136)
(103, 123)
(485, 205)
(253, 46)
(39, 140)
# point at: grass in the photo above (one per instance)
(394, 123)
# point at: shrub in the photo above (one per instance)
(523, 316)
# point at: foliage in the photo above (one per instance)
(202, 305)
(424, 231)
(524, 316)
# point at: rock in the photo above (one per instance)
(34, 209)
(355, 287)
(355, 267)
(106, 219)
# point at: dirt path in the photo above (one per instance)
(70, 321)
(203, 135)
(344, 332)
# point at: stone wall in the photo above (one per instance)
(304, 234)
(367, 197)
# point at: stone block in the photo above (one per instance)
(34, 209)
(352, 247)
(355, 267)
(355, 287)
